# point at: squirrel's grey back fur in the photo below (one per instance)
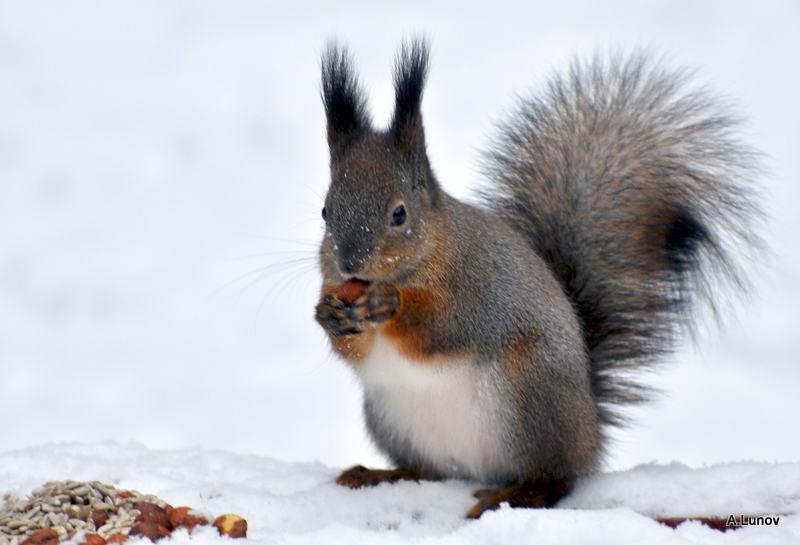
(632, 187)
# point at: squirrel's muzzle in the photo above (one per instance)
(352, 257)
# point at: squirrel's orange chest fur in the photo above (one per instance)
(411, 330)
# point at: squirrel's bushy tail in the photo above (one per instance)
(632, 186)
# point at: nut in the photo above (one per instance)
(99, 518)
(45, 536)
(93, 539)
(231, 525)
(117, 538)
(150, 530)
(150, 512)
(352, 290)
(181, 517)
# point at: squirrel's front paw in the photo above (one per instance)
(337, 318)
(378, 303)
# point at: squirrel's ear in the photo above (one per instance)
(410, 71)
(345, 103)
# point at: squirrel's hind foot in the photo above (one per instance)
(360, 476)
(534, 493)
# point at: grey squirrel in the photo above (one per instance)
(496, 342)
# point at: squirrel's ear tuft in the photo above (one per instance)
(410, 70)
(344, 99)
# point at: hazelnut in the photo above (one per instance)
(45, 536)
(99, 518)
(150, 530)
(150, 512)
(352, 290)
(117, 538)
(93, 539)
(181, 517)
(231, 525)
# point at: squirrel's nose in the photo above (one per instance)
(352, 259)
(351, 268)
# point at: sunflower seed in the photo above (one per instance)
(67, 507)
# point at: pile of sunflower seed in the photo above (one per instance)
(67, 508)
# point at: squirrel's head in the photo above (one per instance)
(379, 206)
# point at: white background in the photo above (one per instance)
(162, 168)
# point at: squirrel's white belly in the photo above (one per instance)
(448, 412)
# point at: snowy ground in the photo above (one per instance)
(298, 503)
(162, 166)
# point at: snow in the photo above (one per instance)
(299, 503)
(162, 167)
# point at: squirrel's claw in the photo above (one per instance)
(377, 304)
(336, 318)
(381, 302)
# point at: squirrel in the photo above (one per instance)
(496, 341)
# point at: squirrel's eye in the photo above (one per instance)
(399, 216)
(324, 214)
